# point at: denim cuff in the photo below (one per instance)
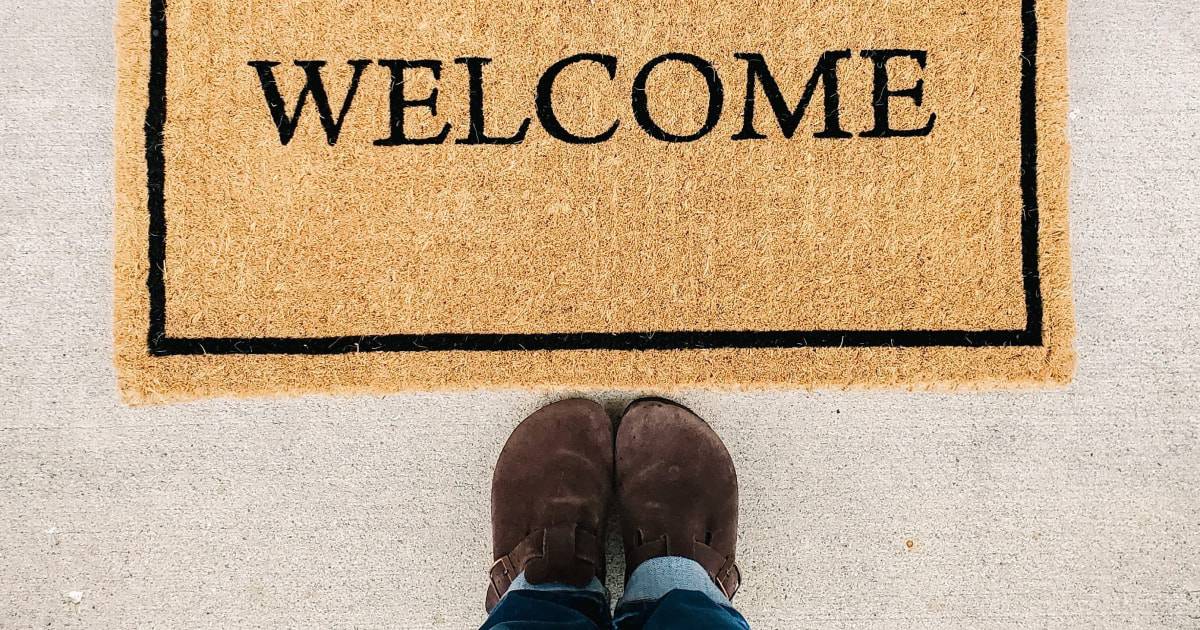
(656, 577)
(521, 584)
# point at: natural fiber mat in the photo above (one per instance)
(382, 195)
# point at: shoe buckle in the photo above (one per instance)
(502, 574)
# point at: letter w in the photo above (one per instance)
(313, 84)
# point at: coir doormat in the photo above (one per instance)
(381, 195)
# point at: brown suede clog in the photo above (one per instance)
(677, 489)
(550, 496)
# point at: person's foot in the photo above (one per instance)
(677, 490)
(550, 497)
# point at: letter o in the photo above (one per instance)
(716, 97)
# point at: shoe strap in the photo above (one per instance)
(566, 554)
(722, 569)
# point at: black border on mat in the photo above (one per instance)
(159, 344)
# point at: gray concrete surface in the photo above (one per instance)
(1075, 509)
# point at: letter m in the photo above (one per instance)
(312, 84)
(789, 118)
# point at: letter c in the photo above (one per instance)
(545, 107)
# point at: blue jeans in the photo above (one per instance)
(669, 593)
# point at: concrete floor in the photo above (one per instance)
(1074, 509)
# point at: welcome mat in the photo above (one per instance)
(382, 195)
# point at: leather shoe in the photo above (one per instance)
(550, 496)
(677, 489)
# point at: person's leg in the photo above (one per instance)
(551, 607)
(550, 496)
(678, 493)
(672, 592)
